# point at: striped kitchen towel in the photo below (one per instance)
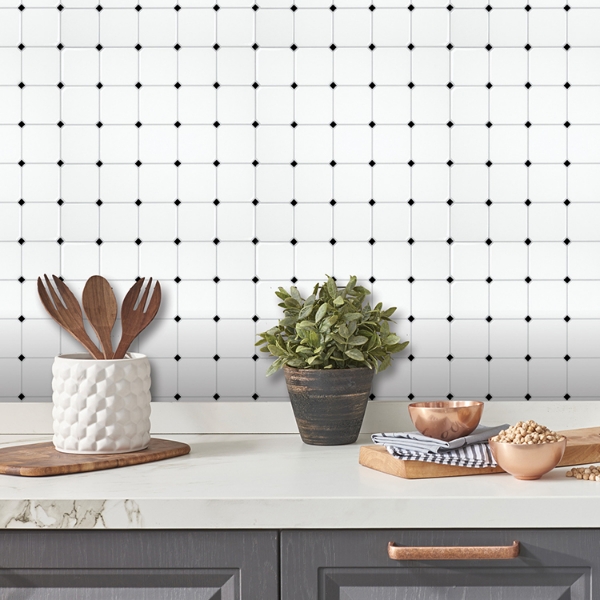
(470, 451)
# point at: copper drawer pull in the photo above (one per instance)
(452, 552)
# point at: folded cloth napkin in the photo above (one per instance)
(469, 451)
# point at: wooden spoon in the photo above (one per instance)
(135, 320)
(66, 311)
(100, 306)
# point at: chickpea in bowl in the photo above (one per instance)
(528, 450)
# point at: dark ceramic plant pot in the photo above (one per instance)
(329, 405)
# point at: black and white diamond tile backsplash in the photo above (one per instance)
(447, 154)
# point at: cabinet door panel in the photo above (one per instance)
(120, 584)
(139, 565)
(453, 584)
(354, 565)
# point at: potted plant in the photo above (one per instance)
(330, 345)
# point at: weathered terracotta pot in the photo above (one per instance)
(329, 405)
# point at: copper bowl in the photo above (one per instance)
(528, 461)
(447, 420)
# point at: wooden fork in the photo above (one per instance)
(135, 320)
(64, 308)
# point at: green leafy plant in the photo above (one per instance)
(331, 329)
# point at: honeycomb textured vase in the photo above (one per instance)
(101, 406)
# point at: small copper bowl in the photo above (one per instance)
(528, 461)
(447, 420)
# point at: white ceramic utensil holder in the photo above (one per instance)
(101, 406)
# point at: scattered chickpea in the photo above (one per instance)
(591, 473)
(528, 432)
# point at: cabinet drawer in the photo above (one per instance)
(342, 564)
(139, 565)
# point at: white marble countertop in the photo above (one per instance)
(270, 481)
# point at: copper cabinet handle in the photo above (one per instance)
(452, 552)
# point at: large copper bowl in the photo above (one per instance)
(528, 461)
(447, 420)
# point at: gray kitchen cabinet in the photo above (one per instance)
(552, 564)
(139, 565)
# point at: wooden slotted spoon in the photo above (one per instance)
(64, 308)
(100, 306)
(135, 320)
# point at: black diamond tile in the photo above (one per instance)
(450, 124)
(332, 241)
(488, 358)
(138, 241)
(449, 241)
(450, 279)
(449, 318)
(567, 318)
(293, 242)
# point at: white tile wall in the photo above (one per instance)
(447, 154)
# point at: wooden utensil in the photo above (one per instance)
(64, 308)
(38, 460)
(135, 320)
(100, 306)
(583, 447)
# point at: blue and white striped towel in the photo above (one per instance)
(470, 451)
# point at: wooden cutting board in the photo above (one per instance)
(38, 460)
(583, 447)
